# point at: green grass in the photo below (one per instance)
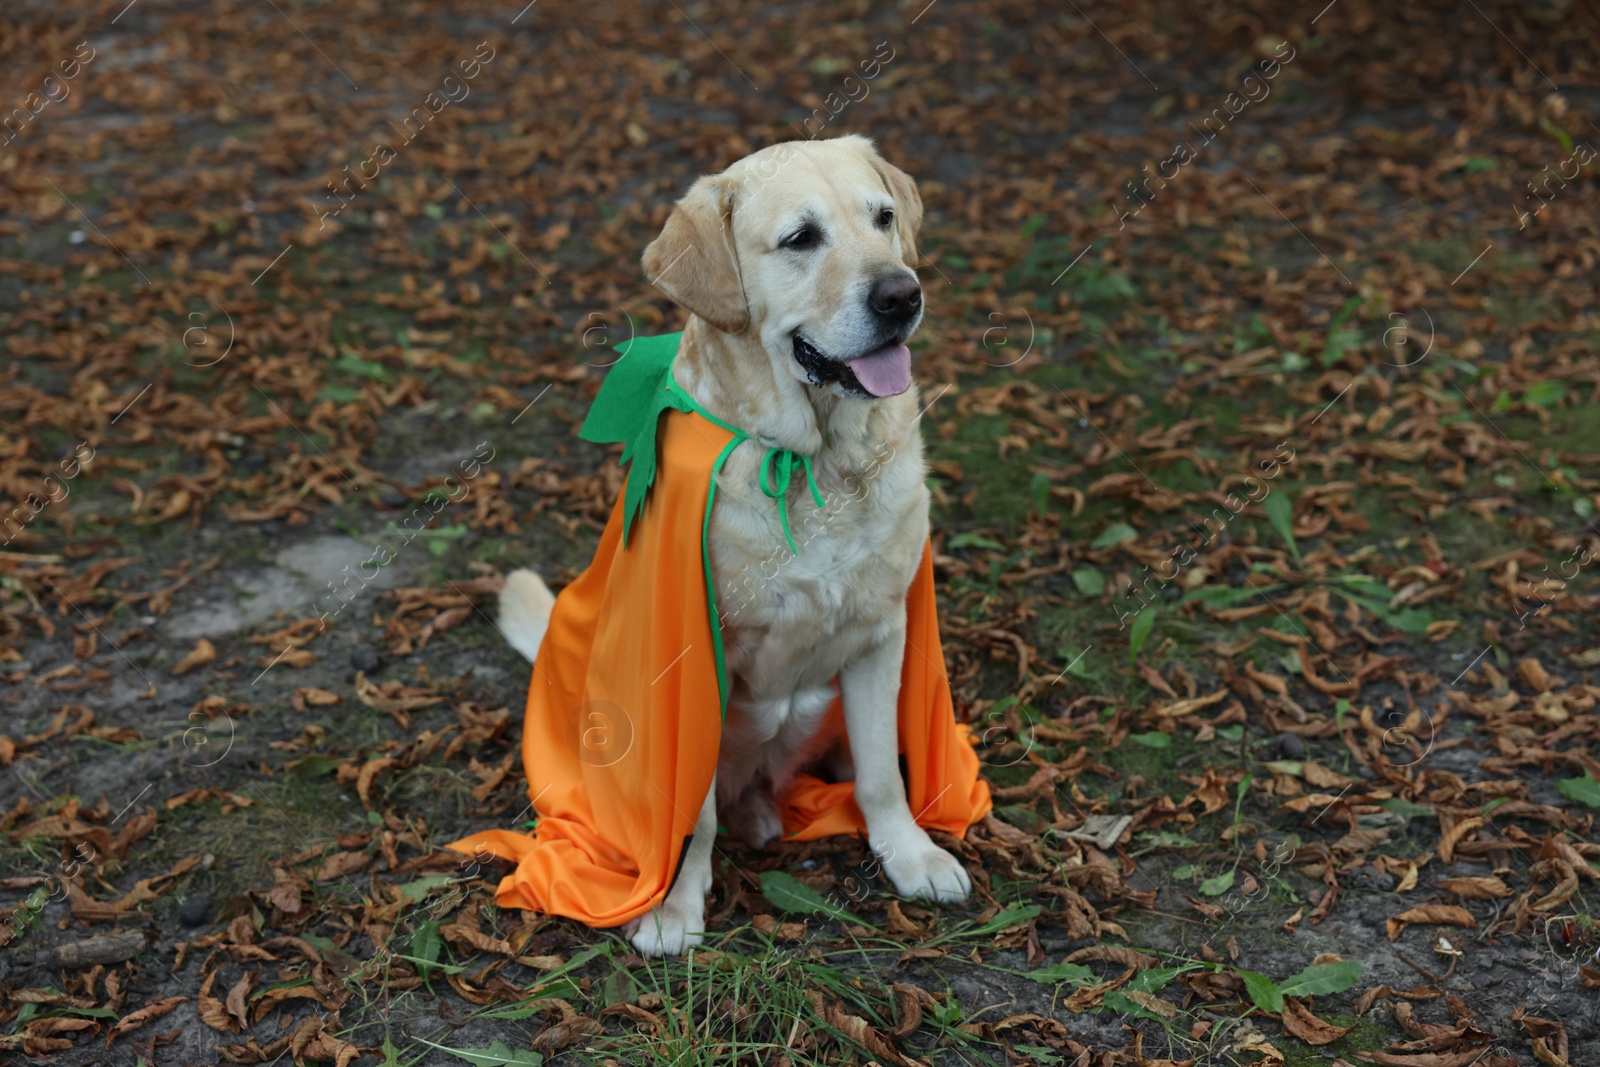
(743, 997)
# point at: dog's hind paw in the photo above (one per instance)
(665, 932)
(923, 869)
(754, 819)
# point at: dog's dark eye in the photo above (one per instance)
(806, 237)
(885, 216)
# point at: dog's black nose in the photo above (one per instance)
(897, 298)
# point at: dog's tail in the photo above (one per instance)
(525, 605)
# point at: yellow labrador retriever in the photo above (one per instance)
(796, 265)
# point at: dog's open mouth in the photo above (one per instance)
(882, 372)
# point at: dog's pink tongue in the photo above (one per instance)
(886, 372)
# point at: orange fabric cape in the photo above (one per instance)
(628, 693)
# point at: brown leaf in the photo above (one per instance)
(1476, 888)
(1533, 674)
(1180, 708)
(1565, 889)
(43, 1027)
(309, 696)
(462, 931)
(1323, 778)
(1153, 679)
(1546, 1055)
(907, 1009)
(285, 894)
(340, 864)
(859, 1031)
(379, 698)
(550, 963)
(901, 926)
(294, 657)
(312, 1040)
(202, 653)
(1423, 1059)
(1431, 914)
(1300, 1022)
(1453, 836)
(567, 1032)
(637, 1014)
(492, 776)
(1164, 1008)
(212, 1011)
(149, 1012)
(146, 889)
(1254, 1041)
(779, 931)
(1128, 957)
(238, 998)
(370, 770)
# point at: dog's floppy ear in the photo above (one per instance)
(694, 261)
(907, 202)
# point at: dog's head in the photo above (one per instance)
(808, 246)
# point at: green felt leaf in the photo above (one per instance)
(628, 410)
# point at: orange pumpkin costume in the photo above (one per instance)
(629, 687)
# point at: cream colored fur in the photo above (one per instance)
(794, 623)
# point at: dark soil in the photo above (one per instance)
(1345, 275)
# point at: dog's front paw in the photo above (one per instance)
(666, 931)
(920, 868)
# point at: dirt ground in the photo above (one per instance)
(1263, 439)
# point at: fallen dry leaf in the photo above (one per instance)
(1431, 914)
(1300, 1022)
(309, 696)
(133, 1020)
(202, 653)
(1476, 888)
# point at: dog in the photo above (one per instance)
(797, 266)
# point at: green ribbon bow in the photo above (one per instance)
(637, 390)
(783, 459)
